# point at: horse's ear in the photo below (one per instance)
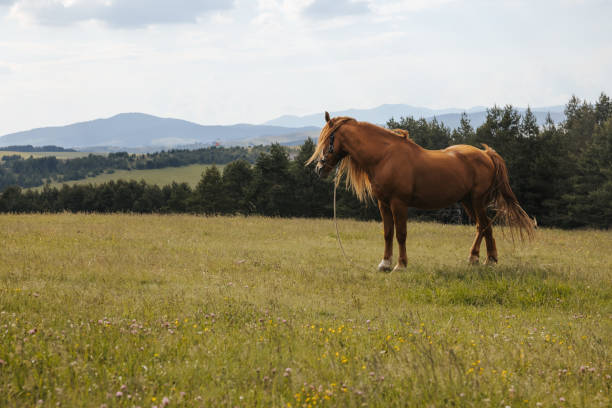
(327, 118)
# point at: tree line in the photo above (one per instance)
(33, 172)
(31, 149)
(274, 185)
(561, 174)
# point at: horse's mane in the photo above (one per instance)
(357, 178)
(325, 133)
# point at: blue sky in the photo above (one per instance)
(237, 61)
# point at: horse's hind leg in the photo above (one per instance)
(387, 217)
(485, 229)
(491, 247)
(475, 249)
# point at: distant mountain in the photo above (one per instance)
(138, 130)
(381, 114)
(378, 115)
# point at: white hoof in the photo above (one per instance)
(384, 265)
(399, 268)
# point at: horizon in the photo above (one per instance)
(459, 111)
(238, 61)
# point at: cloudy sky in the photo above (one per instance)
(232, 61)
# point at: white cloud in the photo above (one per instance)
(5, 69)
(119, 13)
(336, 8)
(260, 59)
(396, 7)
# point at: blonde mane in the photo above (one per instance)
(324, 136)
(356, 177)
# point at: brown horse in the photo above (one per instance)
(400, 174)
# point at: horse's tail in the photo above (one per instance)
(504, 200)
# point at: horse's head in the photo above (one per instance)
(328, 152)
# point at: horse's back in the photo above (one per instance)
(458, 158)
(440, 178)
(480, 164)
(472, 156)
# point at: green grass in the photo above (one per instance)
(232, 311)
(191, 175)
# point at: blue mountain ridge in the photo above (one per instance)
(381, 114)
(143, 132)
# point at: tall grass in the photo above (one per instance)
(190, 174)
(129, 310)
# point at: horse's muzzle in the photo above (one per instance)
(318, 169)
(322, 171)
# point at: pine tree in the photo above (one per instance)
(177, 197)
(591, 198)
(312, 195)
(529, 125)
(603, 109)
(464, 134)
(549, 123)
(237, 178)
(580, 121)
(271, 191)
(209, 194)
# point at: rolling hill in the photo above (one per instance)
(138, 130)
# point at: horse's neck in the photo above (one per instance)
(367, 145)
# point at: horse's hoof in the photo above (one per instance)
(473, 260)
(491, 260)
(384, 265)
(399, 268)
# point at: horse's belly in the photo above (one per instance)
(434, 201)
(438, 191)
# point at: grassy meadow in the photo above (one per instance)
(191, 175)
(128, 310)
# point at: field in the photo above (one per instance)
(127, 310)
(189, 174)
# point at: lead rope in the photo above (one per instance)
(338, 235)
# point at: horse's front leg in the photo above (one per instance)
(387, 217)
(400, 215)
